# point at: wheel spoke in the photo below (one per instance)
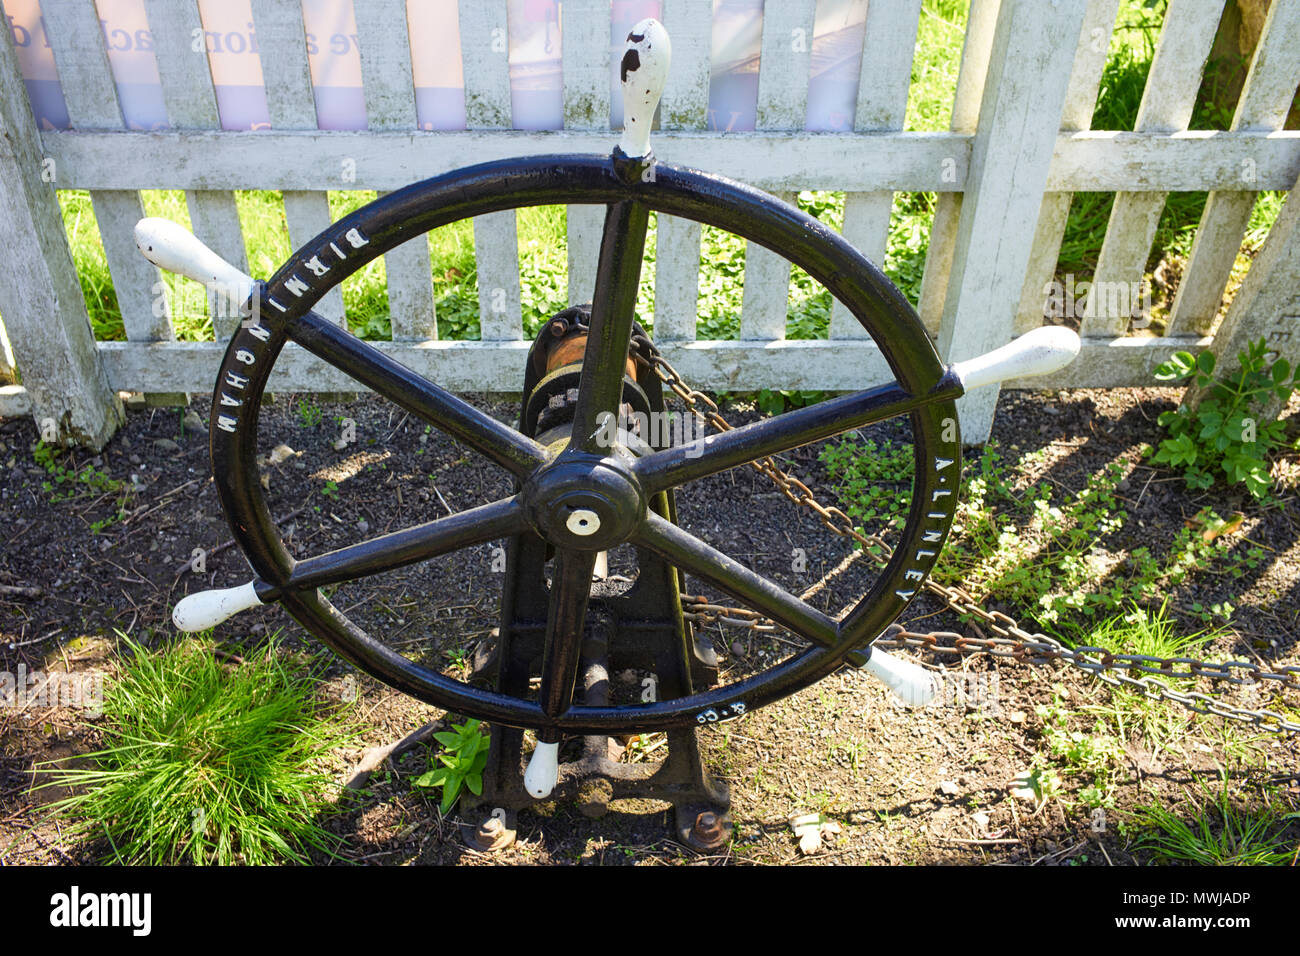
(499, 519)
(613, 305)
(707, 563)
(570, 589)
(771, 436)
(437, 406)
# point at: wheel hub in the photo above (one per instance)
(584, 502)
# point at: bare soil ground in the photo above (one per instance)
(918, 787)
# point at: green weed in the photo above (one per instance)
(1224, 437)
(463, 758)
(1217, 832)
(1095, 757)
(309, 413)
(207, 763)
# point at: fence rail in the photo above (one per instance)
(1019, 146)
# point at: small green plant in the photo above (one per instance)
(309, 413)
(1095, 757)
(330, 490)
(207, 762)
(107, 521)
(775, 402)
(464, 755)
(68, 482)
(1223, 438)
(1216, 833)
(1040, 781)
(458, 660)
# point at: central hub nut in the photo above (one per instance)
(583, 521)
(585, 502)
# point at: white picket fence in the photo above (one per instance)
(1020, 144)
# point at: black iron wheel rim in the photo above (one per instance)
(545, 180)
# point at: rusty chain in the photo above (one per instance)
(1010, 640)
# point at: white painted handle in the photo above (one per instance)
(543, 770)
(206, 609)
(910, 683)
(171, 246)
(1035, 353)
(644, 70)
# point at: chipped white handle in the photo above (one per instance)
(644, 70)
(543, 770)
(1035, 353)
(171, 246)
(206, 609)
(910, 683)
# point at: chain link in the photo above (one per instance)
(1010, 640)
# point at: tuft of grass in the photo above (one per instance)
(1153, 633)
(1149, 632)
(1217, 833)
(206, 762)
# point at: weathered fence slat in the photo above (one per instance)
(677, 278)
(975, 54)
(684, 105)
(1173, 162)
(496, 250)
(784, 62)
(214, 217)
(585, 30)
(483, 27)
(818, 364)
(485, 61)
(312, 159)
(1268, 303)
(386, 76)
(308, 215)
(292, 104)
(1167, 102)
(390, 105)
(1080, 100)
(410, 291)
(191, 103)
(1265, 98)
(1086, 161)
(44, 313)
(87, 81)
(1020, 115)
(582, 227)
(889, 41)
(286, 71)
(766, 298)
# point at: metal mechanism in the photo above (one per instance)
(625, 630)
(585, 481)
